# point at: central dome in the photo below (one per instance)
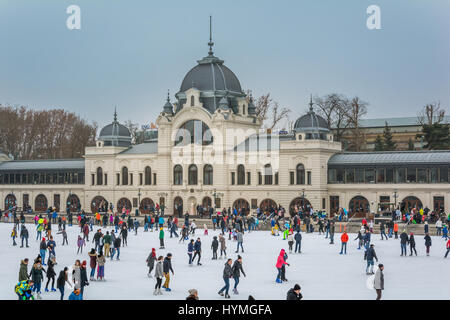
(211, 75)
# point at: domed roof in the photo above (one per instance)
(311, 122)
(211, 75)
(115, 134)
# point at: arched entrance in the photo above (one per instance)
(411, 202)
(10, 201)
(178, 206)
(207, 202)
(192, 205)
(242, 206)
(40, 203)
(123, 203)
(299, 204)
(268, 205)
(359, 206)
(99, 204)
(146, 205)
(73, 202)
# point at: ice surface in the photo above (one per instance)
(320, 270)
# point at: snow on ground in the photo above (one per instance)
(319, 269)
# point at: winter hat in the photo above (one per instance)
(239, 257)
(296, 287)
(193, 291)
(84, 263)
(43, 239)
(169, 254)
(380, 265)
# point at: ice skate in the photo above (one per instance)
(155, 292)
(53, 290)
(160, 292)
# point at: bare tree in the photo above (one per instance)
(269, 111)
(357, 110)
(133, 127)
(431, 114)
(334, 108)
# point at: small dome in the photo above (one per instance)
(115, 134)
(314, 126)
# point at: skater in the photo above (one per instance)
(64, 235)
(124, 234)
(76, 274)
(23, 271)
(379, 281)
(427, 243)
(80, 243)
(412, 244)
(240, 240)
(51, 273)
(43, 249)
(294, 293)
(332, 232)
(161, 238)
(227, 274)
(205, 227)
(369, 256)
(214, 247)
(344, 240)
(403, 242)
(158, 275)
(290, 241)
(396, 230)
(24, 235)
(116, 248)
(51, 245)
(14, 236)
(360, 238)
(184, 234)
(281, 261)
(383, 230)
(190, 250)
(298, 241)
(101, 266)
(167, 266)
(223, 247)
(448, 248)
(197, 251)
(237, 269)
(37, 277)
(24, 290)
(92, 263)
(83, 277)
(151, 262)
(193, 227)
(107, 240)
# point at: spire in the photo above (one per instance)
(210, 43)
(115, 114)
(311, 104)
(168, 95)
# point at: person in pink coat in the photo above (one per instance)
(281, 261)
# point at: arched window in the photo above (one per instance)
(178, 175)
(192, 101)
(268, 174)
(99, 176)
(208, 175)
(192, 174)
(125, 176)
(193, 131)
(241, 174)
(148, 176)
(300, 174)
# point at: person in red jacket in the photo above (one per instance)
(448, 248)
(344, 240)
(281, 261)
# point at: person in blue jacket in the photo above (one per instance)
(197, 251)
(190, 250)
(75, 295)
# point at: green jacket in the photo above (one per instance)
(161, 234)
(107, 239)
(23, 272)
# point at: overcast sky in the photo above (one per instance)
(129, 53)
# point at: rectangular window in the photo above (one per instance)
(334, 204)
(249, 178)
(259, 178)
(254, 203)
(106, 179)
(25, 200)
(323, 203)
(92, 179)
(444, 175)
(276, 178)
(438, 204)
(384, 202)
(308, 176)
(422, 176)
(131, 179)
(118, 178)
(141, 177)
(340, 175)
(434, 175)
(369, 176)
(349, 175)
(389, 175)
(380, 175)
(411, 175)
(135, 202)
(233, 178)
(400, 175)
(154, 178)
(56, 201)
(218, 204)
(359, 175)
(291, 177)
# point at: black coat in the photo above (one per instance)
(215, 244)
(237, 269)
(167, 265)
(83, 277)
(403, 238)
(427, 241)
(227, 271)
(50, 269)
(291, 295)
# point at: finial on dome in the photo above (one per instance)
(210, 43)
(115, 114)
(168, 95)
(311, 104)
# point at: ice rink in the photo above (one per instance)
(320, 270)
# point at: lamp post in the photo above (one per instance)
(139, 201)
(303, 199)
(395, 198)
